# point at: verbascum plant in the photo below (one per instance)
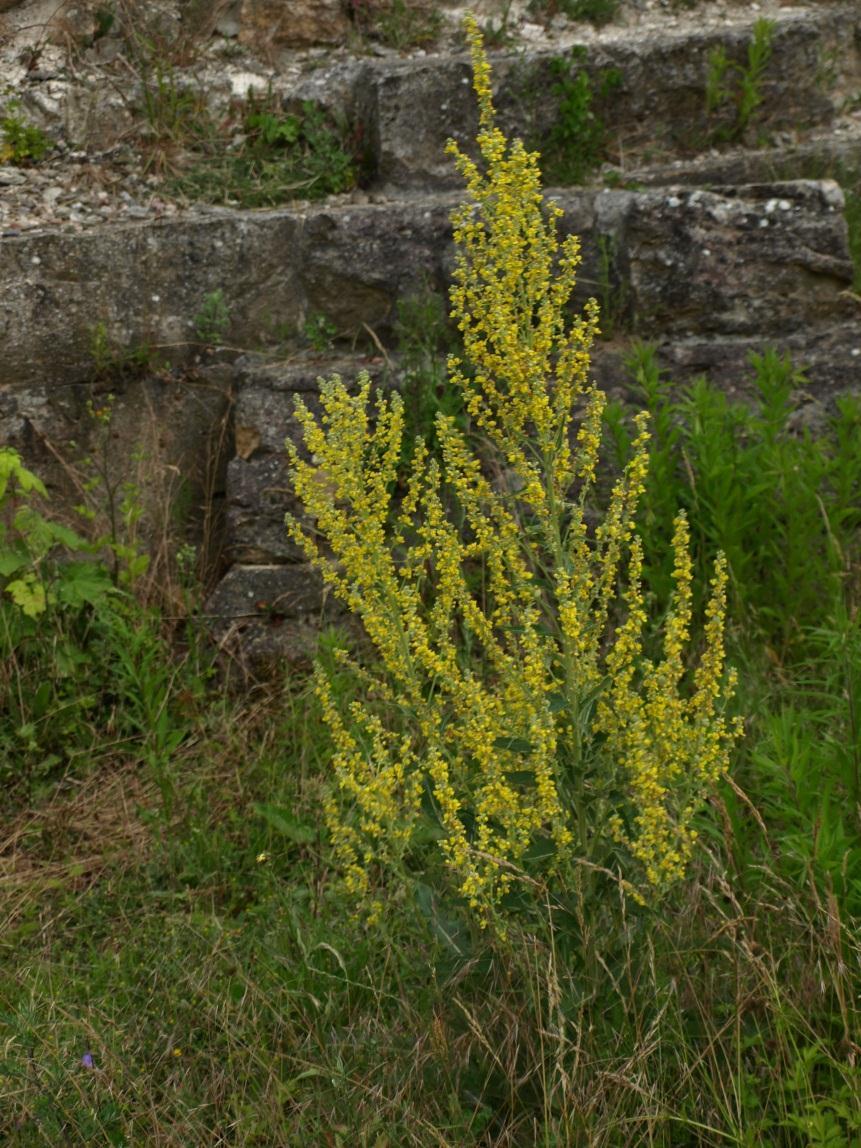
(515, 718)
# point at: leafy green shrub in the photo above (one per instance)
(81, 664)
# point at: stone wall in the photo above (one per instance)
(710, 252)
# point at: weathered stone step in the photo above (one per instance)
(756, 260)
(267, 617)
(648, 90)
(836, 154)
(258, 492)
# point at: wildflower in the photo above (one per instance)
(262, 858)
(87, 1060)
(524, 705)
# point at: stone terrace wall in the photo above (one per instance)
(706, 239)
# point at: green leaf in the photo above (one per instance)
(12, 467)
(29, 595)
(284, 822)
(12, 560)
(520, 776)
(541, 849)
(84, 584)
(514, 744)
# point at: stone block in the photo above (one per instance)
(292, 23)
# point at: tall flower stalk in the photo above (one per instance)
(515, 717)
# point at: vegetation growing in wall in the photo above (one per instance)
(399, 24)
(577, 142)
(598, 12)
(276, 157)
(424, 339)
(733, 90)
(853, 222)
(21, 142)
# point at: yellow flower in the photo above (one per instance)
(511, 665)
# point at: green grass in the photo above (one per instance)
(279, 157)
(597, 12)
(178, 965)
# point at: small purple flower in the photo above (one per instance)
(87, 1060)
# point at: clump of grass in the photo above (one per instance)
(597, 12)
(399, 24)
(280, 156)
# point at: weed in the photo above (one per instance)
(279, 157)
(173, 108)
(113, 362)
(738, 87)
(399, 24)
(496, 35)
(319, 332)
(212, 321)
(472, 754)
(23, 143)
(112, 502)
(598, 12)
(853, 223)
(577, 142)
(612, 289)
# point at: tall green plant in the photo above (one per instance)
(81, 663)
(780, 501)
(738, 87)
